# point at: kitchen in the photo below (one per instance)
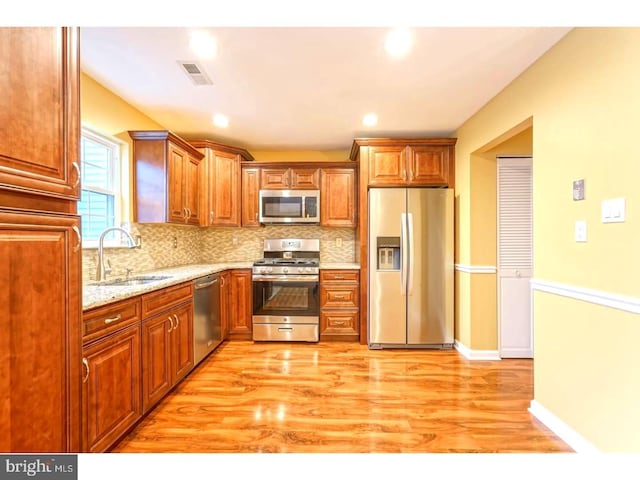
(183, 233)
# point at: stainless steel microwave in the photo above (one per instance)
(290, 206)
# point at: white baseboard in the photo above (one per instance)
(476, 354)
(561, 429)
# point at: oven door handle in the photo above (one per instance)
(285, 278)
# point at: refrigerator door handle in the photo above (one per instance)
(403, 254)
(411, 253)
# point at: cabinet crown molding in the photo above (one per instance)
(219, 147)
(166, 135)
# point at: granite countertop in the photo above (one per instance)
(95, 295)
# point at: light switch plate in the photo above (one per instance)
(613, 210)
(580, 231)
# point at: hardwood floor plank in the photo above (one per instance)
(345, 398)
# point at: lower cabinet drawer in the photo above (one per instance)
(103, 320)
(339, 321)
(339, 296)
(288, 333)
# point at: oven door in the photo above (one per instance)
(294, 297)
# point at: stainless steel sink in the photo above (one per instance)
(127, 282)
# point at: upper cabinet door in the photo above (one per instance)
(193, 190)
(39, 124)
(275, 178)
(224, 191)
(337, 197)
(176, 207)
(428, 165)
(305, 178)
(387, 165)
(250, 197)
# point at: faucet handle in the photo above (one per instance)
(129, 270)
(107, 268)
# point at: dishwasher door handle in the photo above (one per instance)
(200, 286)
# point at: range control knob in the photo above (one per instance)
(285, 270)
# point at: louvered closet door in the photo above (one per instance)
(515, 256)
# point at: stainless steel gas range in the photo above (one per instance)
(286, 301)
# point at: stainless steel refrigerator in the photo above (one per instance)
(411, 270)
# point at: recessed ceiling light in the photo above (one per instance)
(398, 42)
(220, 120)
(370, 119)
(203, 44)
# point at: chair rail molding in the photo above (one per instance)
(599, 297)
(461, 267)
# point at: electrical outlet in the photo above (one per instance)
(580, 231)
(175, 242)
(338, 242)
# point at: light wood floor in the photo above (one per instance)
(343, 397)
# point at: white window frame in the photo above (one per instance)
(120, 183)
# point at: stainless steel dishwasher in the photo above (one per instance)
(207, 334)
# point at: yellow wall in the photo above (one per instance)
(301, 156)
(583, 98)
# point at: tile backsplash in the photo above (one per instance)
(165, 245)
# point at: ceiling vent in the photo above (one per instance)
(196, 73)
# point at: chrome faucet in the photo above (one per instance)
(101, 271)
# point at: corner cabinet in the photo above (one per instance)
(40, 277)
(221, 199)
(338, 197)
(409, 162)
(167, 179)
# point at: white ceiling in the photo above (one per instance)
(294, 88)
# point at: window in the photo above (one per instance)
(100, 203)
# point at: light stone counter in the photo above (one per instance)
(95, 295)
(339, 266)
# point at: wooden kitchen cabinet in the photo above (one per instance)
(240, 304)
(40, 277)
(167, 180)
(250, 197)
(167, 342)
(298, 178)
(339, 304)
(338, 197)
(111, 387)
(225, 286)
(410, 162)
(40, 354)
(39, 125)
(222, 197)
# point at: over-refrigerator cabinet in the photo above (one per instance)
(411, 268)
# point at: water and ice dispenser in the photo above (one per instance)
(388, 249)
